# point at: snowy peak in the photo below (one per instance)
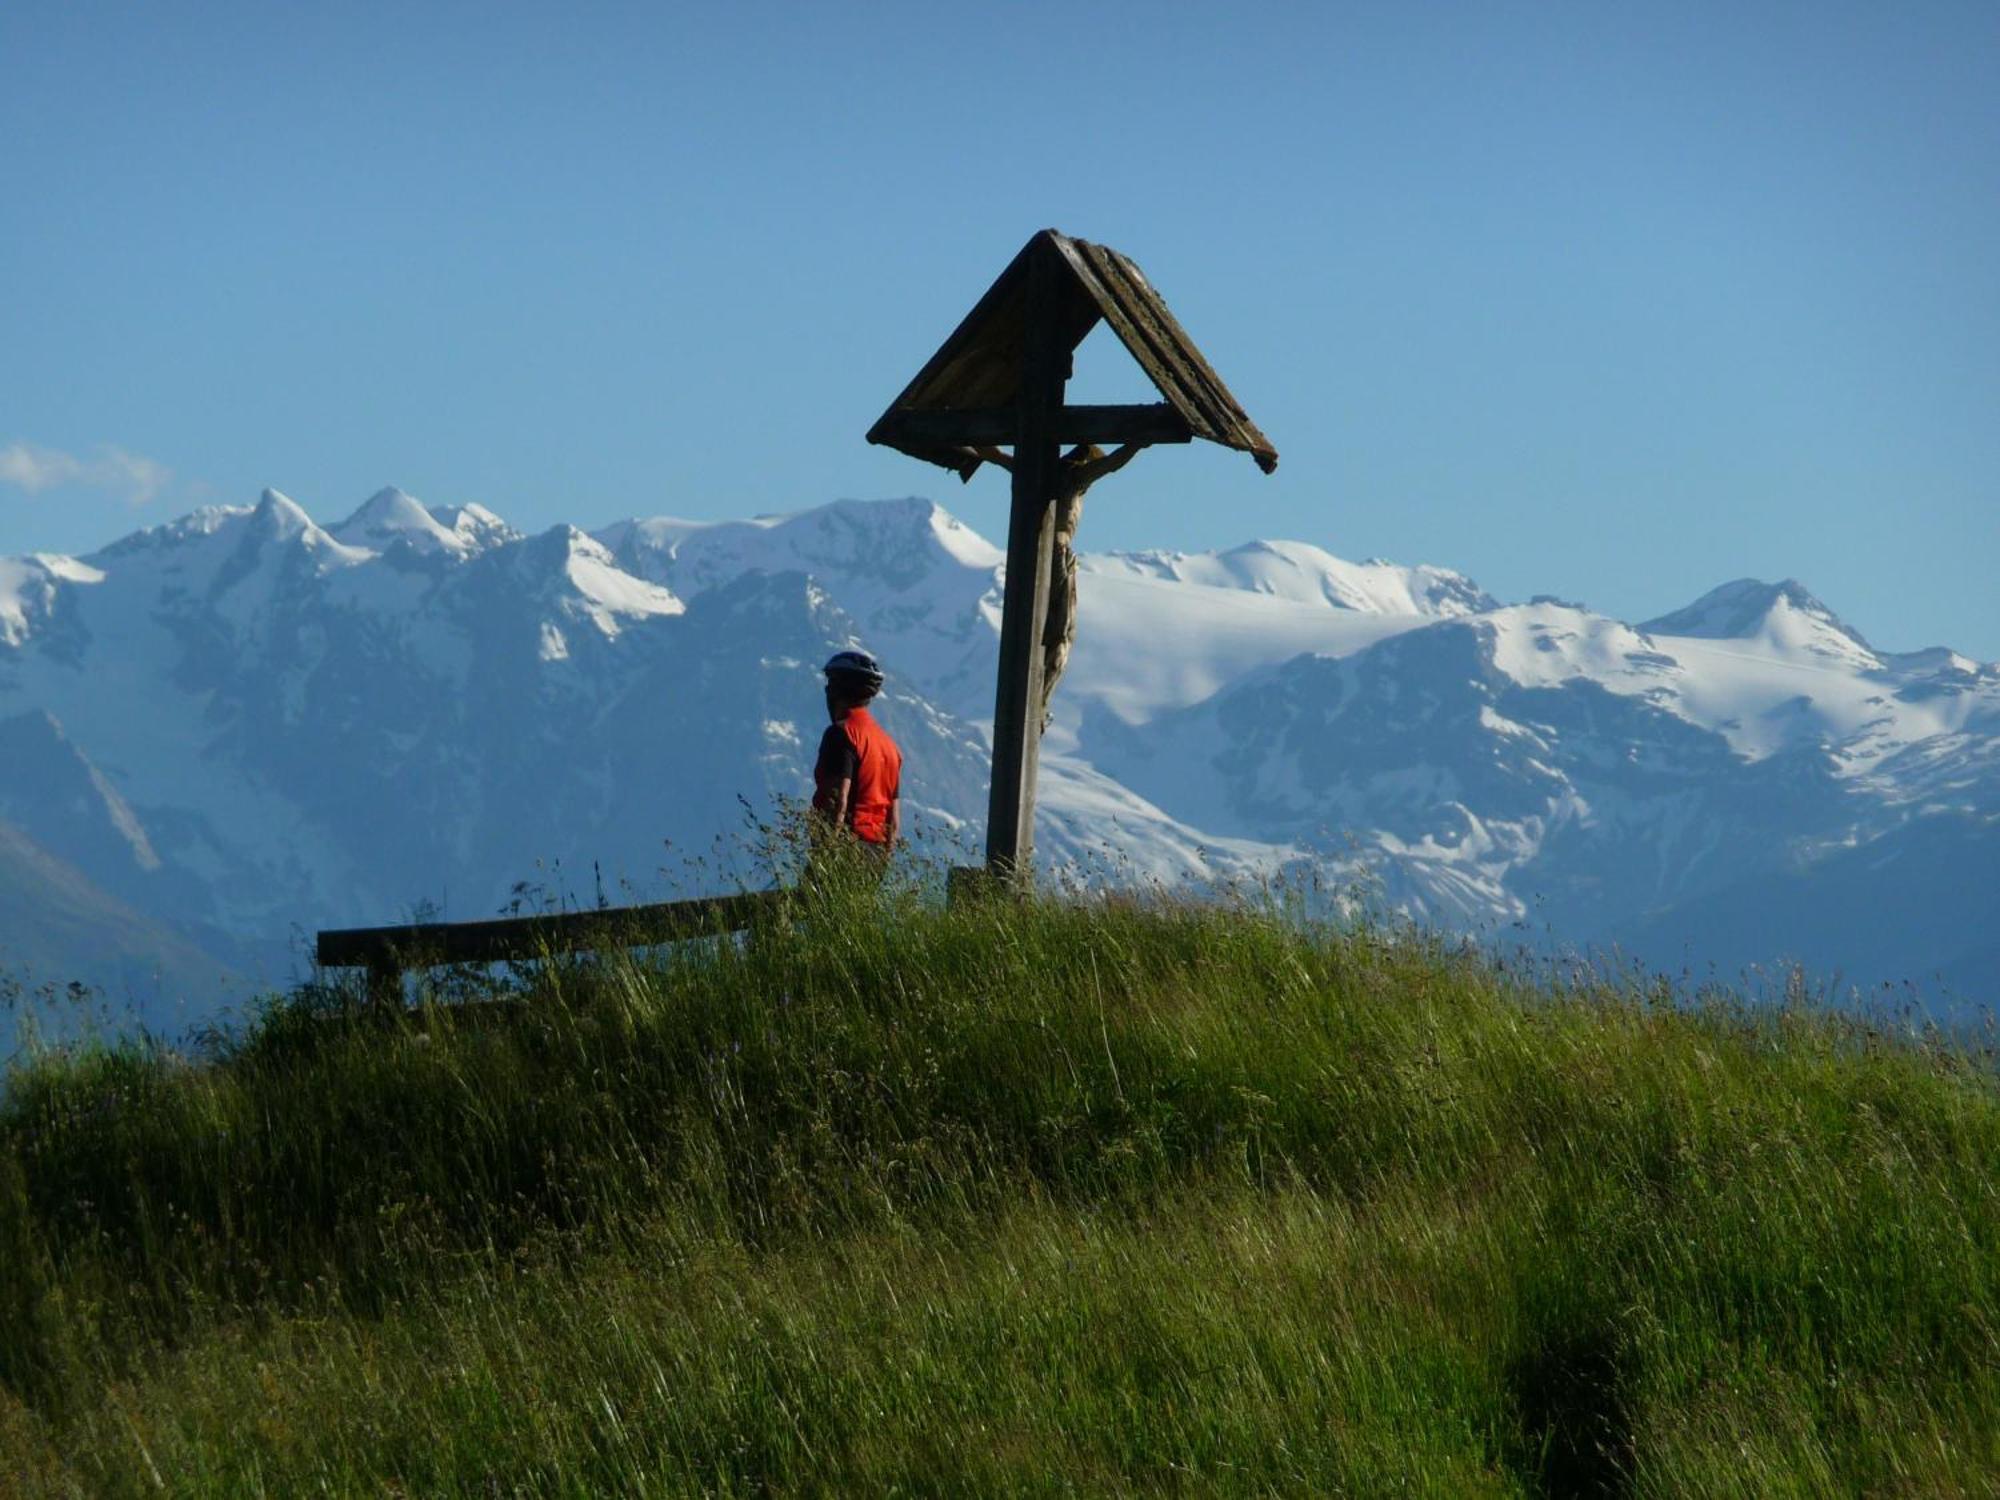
(892, 544)
(1784, 615)
(280, 517)
(388, 519)
(279, 534)
(28, 589)
(392, 518)
(233, 541)
(578, 575)
(475, 525)
(961, 543)
(171, 535)
(1547, 644)
(910, 576)
(1305, 574)
(554, 550)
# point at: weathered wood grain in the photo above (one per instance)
(386, 951)
(1017, 722)
(978, 368)
(996, 426)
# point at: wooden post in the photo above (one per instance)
(385, 981)
(1017, 718)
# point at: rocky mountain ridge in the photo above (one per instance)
(244, 725)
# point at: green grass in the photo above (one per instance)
(1045, 1199)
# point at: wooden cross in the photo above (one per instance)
(998, 382)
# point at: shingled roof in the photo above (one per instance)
(979, 366)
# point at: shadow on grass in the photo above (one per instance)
(1570, 1391)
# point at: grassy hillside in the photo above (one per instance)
(1047, 1199)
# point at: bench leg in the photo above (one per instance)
(385, 982)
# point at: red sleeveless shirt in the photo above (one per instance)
(859, 750)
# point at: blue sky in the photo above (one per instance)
(1610, 302)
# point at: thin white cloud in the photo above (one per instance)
(33, 468)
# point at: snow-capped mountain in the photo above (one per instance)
(1167, 629)
(244, 725)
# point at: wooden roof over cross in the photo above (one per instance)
(967, 395)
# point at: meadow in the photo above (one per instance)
(1061, 1197)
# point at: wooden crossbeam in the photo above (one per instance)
(1001, 426)
(387, 951)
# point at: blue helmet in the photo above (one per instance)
(854, 667)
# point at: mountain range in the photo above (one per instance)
(219, 734)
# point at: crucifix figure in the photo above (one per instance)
(993, 393)
(1082, 467)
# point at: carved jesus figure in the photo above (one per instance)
(1080, 468)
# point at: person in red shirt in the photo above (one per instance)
(857, 780)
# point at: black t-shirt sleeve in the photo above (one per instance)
(837, 760)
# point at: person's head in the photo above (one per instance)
(852, 678)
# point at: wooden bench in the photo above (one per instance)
(387, 952)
